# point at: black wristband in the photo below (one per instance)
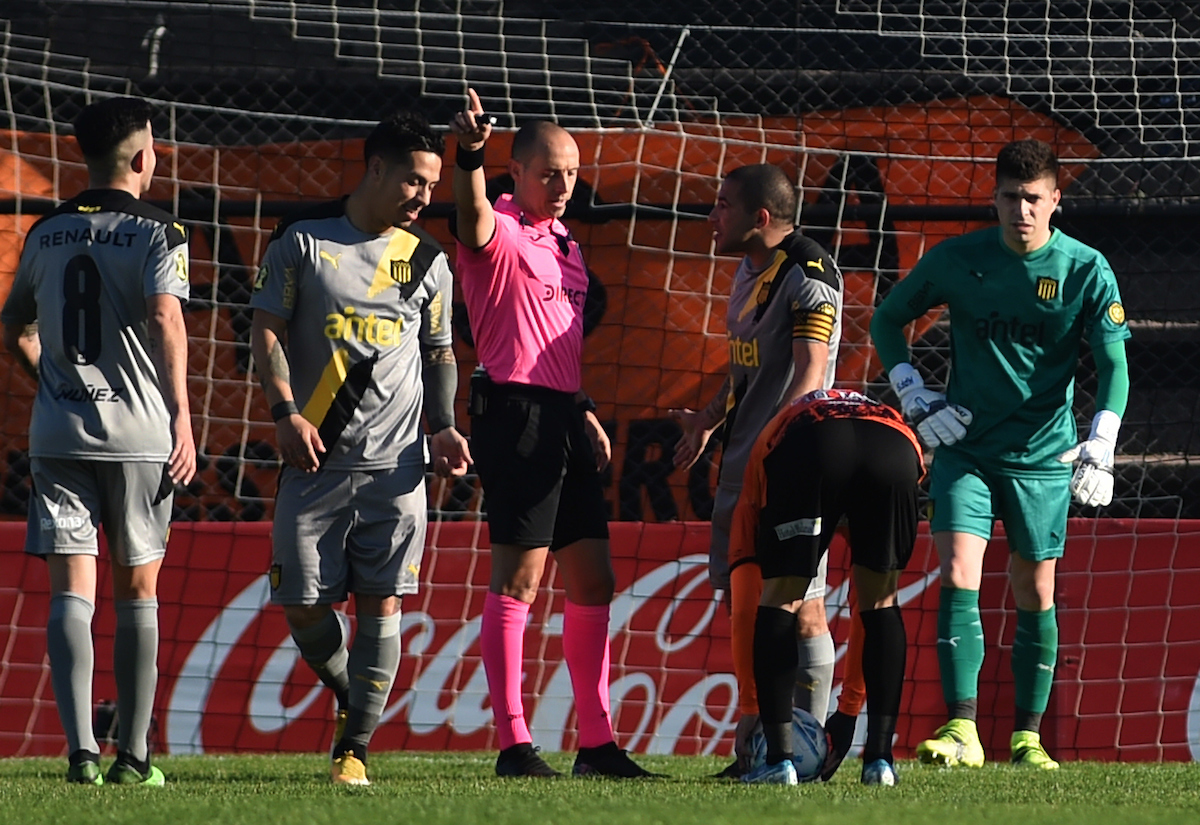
(469, 160)
(283, 409)
(587, 405)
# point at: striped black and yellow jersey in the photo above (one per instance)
(797, 295)
(359, 307)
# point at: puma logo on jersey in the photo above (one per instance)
(378, 684)
(952, 641)
(818, 265)
(333, 259)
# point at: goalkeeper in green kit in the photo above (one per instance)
(1021, 297)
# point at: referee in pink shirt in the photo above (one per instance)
(538, 446)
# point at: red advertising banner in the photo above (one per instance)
(1126, 685)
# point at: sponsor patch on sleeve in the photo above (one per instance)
(261, 279)
(181, 265)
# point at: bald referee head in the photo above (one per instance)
(544, 168)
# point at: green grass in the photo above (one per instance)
(459, 788)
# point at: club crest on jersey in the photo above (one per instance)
(401, 271)
(1116, 313)
(1047, 289)
(764, 292)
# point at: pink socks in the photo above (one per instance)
(585, 647)
(502, 639)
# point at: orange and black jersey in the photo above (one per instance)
(813, 408)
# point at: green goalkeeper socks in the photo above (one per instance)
(959, 644)
(1035, 651)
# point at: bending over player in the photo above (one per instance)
(829, 454)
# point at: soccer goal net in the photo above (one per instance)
(886, 115)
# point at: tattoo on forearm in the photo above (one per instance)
(439, 355)
(277, 364)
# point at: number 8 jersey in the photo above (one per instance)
(85, 274)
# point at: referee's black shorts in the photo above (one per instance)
(540, 483)
(864, 470)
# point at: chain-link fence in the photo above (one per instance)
(886, 114)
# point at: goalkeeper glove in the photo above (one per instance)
(1092, 483)
(937, 422)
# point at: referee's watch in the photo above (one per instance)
(587, 405)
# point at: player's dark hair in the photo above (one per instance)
(399, 135)
(101, 127)
(765, 186)
(1025, 160)
(530, 136)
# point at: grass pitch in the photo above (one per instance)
(460, 788)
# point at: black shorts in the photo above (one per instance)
(864, 470)
(540, 483)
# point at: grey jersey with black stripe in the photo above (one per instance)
(359, 307)
(86, 271)
(797, 295)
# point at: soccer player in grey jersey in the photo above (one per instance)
(95, 316)
(361, 300)
(783, 326)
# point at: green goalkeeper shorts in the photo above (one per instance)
(967, 495)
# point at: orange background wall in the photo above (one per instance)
(661, 343)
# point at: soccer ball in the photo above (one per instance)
(809, 745)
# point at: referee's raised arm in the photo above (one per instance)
(476, 222)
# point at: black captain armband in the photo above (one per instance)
(469, 160)
(283, 410)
